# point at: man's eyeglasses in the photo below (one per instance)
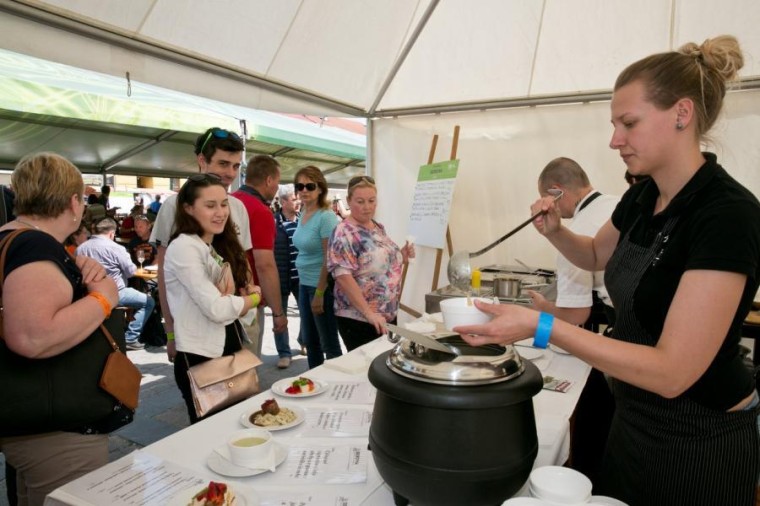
(360, 179)
(219, 133)
(205, 178)
(307, 186)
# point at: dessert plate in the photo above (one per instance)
(185, 497)
(280, 386)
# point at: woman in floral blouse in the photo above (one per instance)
(367, 266)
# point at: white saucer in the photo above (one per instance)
(183, 498)
(222, 466)
(299, 412)
(557, 349)
(280, 386)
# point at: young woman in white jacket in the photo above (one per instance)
(205, 297)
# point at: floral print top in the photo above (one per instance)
(374, 261)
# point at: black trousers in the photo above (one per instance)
(356, 333)
(183, 361)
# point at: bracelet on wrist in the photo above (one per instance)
(170, 336)
(105, 304)
(255, 298)
(277, 315)
(319, 293)
(543, 330)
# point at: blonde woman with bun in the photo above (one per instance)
(681, 256)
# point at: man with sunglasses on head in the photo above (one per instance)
(262, 181)
(220, 154)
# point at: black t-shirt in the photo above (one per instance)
(718, 229)
(36, 246)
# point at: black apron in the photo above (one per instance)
(670, 451)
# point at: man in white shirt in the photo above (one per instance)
(219, 152)
(576, 288)
(118, 264)
(589, 210)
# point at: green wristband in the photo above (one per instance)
(170, 336)
(319, 293)
(255, 299)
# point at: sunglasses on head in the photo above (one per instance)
(360, 179)
(219, 133)
(305, 186)
(205, 178)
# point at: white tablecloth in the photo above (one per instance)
(188, 449)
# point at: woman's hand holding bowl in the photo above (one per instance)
(510, 323)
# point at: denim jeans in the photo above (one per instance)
(143, 303)
(282, 341)
(320, 333)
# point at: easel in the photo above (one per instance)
(449, 245)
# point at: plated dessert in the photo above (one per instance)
(300, 386)
(215, 494)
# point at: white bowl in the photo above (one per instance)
(525, 501)
(456, 312)
(249, 446)
(561, 485)
(603, 500)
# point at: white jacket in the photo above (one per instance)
(200, 311)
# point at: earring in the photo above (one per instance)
(679, 125)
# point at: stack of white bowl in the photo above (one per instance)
(560, 486)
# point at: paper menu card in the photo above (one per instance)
(350, 422)
(142, 479)
(351, 392)
(325, 464)
(315, 497)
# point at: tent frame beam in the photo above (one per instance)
(750, 83)
(113, 162)
(82, 28)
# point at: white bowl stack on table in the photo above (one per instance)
(560, 486)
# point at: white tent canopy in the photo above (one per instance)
(368, 57)
(499, 68)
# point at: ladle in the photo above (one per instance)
(459, 270)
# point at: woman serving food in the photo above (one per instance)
(681, 256)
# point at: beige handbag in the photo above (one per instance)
(223, 381)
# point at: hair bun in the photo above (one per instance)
(721, 54)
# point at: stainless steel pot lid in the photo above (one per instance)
(474, 365)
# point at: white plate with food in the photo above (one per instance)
(299, 387)
(186, 497)
(285, 417)
(221, 465)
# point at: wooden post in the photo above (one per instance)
(449, 245)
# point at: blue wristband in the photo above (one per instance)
(543, 330)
